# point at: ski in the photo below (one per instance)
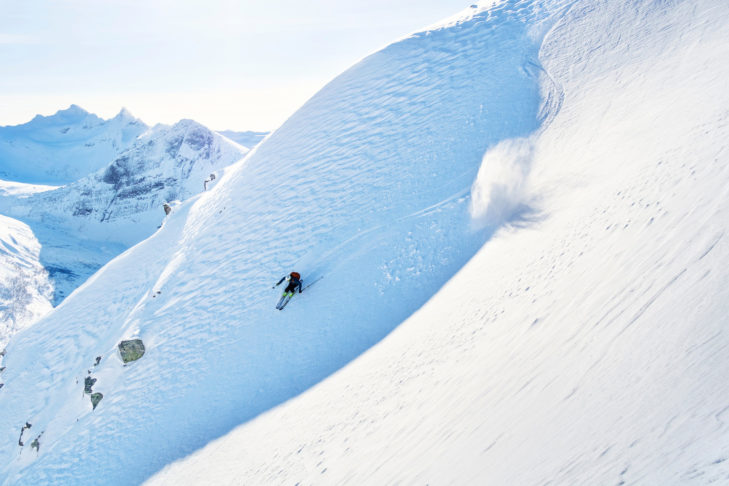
(280, 304)
(285, 302)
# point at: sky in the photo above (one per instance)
(229, 64)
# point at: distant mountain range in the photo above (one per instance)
(165, 164)
(64, 147)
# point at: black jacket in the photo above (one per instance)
(293, 283)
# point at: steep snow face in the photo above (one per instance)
(25, 291)
(367, 188)
(586, 347)
(64, 147)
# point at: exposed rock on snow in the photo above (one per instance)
(36, 443)
(88, 384)
(95, 399)
(131, 350)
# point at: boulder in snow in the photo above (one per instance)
(88, 383)
(95, 399)
(131, 350)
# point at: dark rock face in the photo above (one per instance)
(95, 399)
(82, 210)
(173, 146)
(88, 383)
(142, 188)
(201, 140)
(36, 443)
(25, 427)
(118, 173)
(131, 350)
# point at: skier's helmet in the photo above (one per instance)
(295, 275)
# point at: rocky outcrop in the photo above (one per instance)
(131, 350)
(95, 399)
(88, 383)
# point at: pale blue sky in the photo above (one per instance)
(242, 65)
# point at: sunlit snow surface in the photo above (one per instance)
(584, 343)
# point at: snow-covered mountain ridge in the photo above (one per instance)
(582, 343)
(165, 164)
(64, 147)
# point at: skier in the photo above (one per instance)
(294, 280)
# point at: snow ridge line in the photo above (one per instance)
(555, 94)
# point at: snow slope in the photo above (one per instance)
(64, 147)
(587, 347)
(572, 346)
(397, 138)
(25, 290)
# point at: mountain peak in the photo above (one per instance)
(73, 110)
(126, 116)
(71, 115)
(187, 123)
(124, 113)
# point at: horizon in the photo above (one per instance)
(233, 66)
(76, 106)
